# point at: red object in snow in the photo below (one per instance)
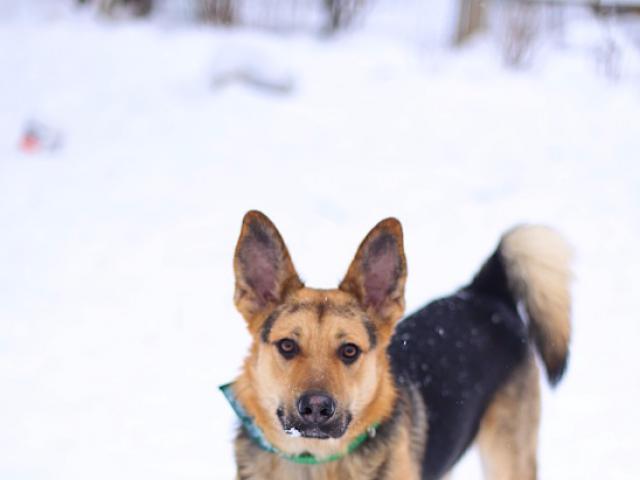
(30, 143)
(38, 137)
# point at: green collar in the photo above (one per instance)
(306, 458)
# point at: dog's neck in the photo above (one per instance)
(388, 455)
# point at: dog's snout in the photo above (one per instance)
(316, 408)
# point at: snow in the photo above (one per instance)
(293, 432)
(116, 314)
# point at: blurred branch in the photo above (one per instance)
(341, 13)
(521, 28)
(138, 8)
(221, 12)
(471, 19)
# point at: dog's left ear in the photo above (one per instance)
(377, 274)
(265, 274)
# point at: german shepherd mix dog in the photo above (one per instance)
(334, 389)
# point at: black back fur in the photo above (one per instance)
(458, 351)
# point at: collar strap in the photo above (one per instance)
(306, 458)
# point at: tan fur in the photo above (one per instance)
(369, 301)
(320, 321)
(391, 463)
(268, 380)
(538, 267)
(508, 436)
(397, 458)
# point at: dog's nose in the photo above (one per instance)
(316, 408)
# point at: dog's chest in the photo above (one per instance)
(267, 467)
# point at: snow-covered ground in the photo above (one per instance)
(116, 315)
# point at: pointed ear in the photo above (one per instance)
(378, 273)
(265, 274)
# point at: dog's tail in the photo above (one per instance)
(532, 265)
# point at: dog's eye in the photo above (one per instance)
(349, 353)
(288, 348)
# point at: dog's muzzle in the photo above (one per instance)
(316, 416)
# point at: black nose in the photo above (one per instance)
(316, 408)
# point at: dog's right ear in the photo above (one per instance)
(265, 274)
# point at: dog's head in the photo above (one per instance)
(317, 374)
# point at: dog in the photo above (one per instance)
(335, 388)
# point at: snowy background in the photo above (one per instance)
(116, 314)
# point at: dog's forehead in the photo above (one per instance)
(310, 312)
